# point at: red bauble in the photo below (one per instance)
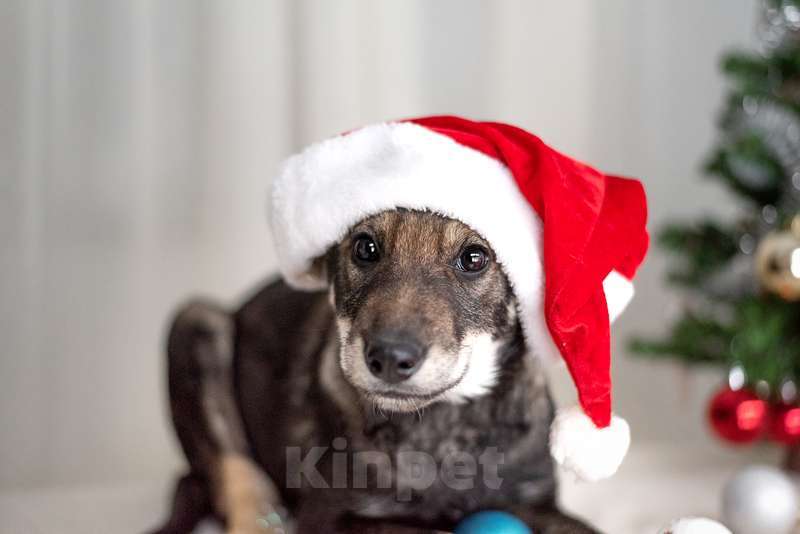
(784, 424)
(737, 416)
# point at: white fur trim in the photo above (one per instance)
(694, 525)
(589, 452)
(330, 186)
(619, 292)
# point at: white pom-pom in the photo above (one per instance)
(694, 525)
(580, 447)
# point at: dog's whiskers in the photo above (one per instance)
(416, 409)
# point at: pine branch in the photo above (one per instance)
(748, 72)
(748, 155)
(761, 336)
(704, 248)
(693, 339)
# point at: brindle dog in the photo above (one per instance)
(401, 401)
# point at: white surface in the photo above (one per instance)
(655, 485)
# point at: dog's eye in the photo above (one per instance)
(365, 249)
(473, 259)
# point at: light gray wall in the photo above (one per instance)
(137, 140)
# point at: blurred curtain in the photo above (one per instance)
(137, 138)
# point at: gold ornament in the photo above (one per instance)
(778, 262)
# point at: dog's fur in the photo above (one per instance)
(288, 369)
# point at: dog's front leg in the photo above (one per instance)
(321, 515)
(550, 520)
(354, 526)
(211, 431)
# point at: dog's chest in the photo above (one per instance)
(453, 459)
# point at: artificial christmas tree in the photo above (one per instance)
(741, 278)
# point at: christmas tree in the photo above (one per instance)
(741, 278)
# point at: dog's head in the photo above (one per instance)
(422, 309)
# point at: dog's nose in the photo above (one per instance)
(394, 361)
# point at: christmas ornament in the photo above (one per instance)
(492, 521)
(569, 237)
(778, 262)
(760, 500)
(694, 525)
(784, 426)
(737, 416)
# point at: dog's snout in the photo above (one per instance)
(394, 361)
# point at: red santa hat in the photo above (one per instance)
(569, 238)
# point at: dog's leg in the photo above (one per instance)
(208, 423)
(190, 504)
(550, 520)
(541, 521)
(310, 519)
(372, 527)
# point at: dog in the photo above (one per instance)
(400, 400)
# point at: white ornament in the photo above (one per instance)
(694, 525)
(589, 452)
(760, 500)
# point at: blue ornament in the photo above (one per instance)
(492, 522)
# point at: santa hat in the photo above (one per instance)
(568, 237)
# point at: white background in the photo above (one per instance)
(137, 140)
